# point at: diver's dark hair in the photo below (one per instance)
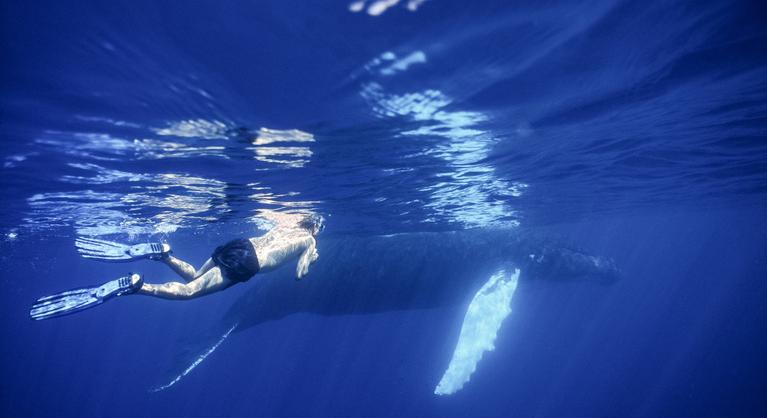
(314, 223)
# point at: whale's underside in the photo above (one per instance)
(363, 275)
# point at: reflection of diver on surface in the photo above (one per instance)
(236, 261)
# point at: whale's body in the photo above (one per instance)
(363, 275)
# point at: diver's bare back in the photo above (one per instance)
(282, 243)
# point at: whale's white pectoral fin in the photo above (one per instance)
(490, 306)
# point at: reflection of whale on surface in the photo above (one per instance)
(362, 275)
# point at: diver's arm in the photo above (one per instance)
(307, 257)
(210, 282)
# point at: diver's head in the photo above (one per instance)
(313, 223)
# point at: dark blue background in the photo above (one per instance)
(638, 128)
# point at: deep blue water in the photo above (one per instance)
(634, 131)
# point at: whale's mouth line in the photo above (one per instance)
(196, 362)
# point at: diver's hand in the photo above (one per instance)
(302, 269)
(315, 256)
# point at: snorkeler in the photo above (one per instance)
(236, 261)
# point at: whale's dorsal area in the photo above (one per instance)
(408, 272)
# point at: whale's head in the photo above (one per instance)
(561, 262)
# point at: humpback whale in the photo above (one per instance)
(411, 271)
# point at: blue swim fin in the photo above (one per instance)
(102, 250)
(76, 300)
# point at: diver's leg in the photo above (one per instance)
(182, 268)
(210, 282)
(209, 264)
(186, 270)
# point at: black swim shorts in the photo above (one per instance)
(237, 260)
